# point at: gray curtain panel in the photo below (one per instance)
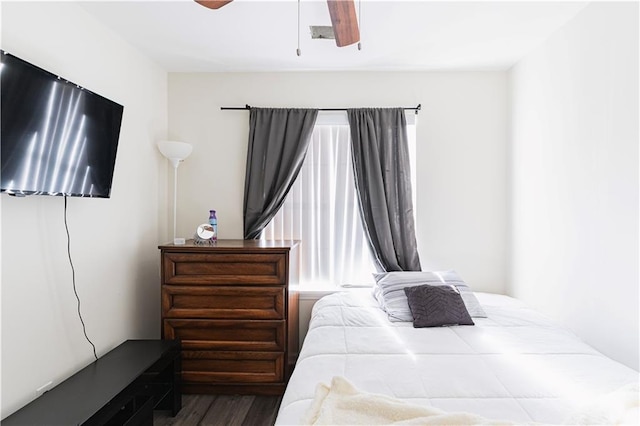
(380, 155)
(278, 141)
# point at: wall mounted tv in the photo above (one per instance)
(56, 137)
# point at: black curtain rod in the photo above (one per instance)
(248, 107)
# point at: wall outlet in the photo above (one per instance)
(42, 389)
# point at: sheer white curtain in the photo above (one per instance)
(321, 210)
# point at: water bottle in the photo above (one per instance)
(213, 221)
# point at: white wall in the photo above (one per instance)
(113, 241)
(461, 152)
(574, 167)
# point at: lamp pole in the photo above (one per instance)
(175, 152)
(175, 202)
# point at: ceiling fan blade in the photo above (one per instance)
(344, 21)
(213, 4)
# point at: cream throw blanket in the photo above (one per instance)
(342, 404)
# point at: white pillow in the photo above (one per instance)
(389, 291)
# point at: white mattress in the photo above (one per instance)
(514, 365)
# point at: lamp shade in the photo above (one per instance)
(175, 151)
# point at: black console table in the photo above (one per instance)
(121, 388)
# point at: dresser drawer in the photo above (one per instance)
(233, 335)
(224, 268)
(213, 367)
(233, 307)
(223, 302)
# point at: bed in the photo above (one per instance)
(514, 365)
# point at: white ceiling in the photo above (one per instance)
(261, 35)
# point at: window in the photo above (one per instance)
(321, 210)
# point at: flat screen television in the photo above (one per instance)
(56, 137)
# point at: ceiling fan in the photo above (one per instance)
(343, 18)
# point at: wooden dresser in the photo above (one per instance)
(235, 309)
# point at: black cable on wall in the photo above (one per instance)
(73, 277)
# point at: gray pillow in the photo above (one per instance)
(437, 306)
(389, 291)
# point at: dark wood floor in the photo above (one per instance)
(222, 410)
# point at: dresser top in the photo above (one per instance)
(233, 245)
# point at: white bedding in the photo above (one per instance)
(515, 365)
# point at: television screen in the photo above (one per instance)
(56, 137)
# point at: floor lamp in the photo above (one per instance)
(175, 152)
